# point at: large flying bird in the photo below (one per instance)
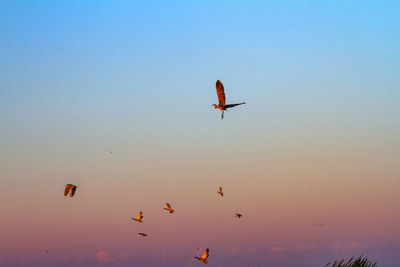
(204, 257)
(70, 188)
(169, 208)
(221, 99)
(139, 217)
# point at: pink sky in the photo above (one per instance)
(302, 209)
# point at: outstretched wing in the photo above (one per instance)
(205, 254)
(66, 190)
(169, 206)
(220, 93)
(73, 189)
(234, 105)
(139, 217)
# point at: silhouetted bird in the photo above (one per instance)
(169, 208)
(70, 188)
(221, 99)
(142, 234)
(204, 257)
(238, 215)
(220, 191)
(139, 217)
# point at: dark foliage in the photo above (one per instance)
(359, 262)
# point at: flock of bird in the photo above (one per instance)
(71, 189)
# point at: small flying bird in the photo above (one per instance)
(204, 257)
(220, 191)
(169, 208)
(238, 215)
(142, 234)
(139, 217)
(221, 99)
(70, 188)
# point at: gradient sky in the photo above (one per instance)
(312, 160)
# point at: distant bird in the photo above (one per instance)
(204, 257)
(221, 99)
(142, 234)
(238, 215)
(220, 191)
(139, 217)
(169, 208)
(111, 151)
(70, 188)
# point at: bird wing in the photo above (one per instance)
(205, 254)
(169, 206)
(139, 217)
(234, 105)
(220, 189)
(220, 93)
(73, 189)
(66, 190)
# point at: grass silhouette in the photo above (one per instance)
(361, 261)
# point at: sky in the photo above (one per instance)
(312, 160)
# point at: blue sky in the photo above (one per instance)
(163, 53)
(101, 64)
